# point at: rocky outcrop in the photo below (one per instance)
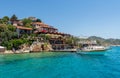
(36, 47)
(40, 46)
(47, 47)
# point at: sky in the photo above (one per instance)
(77, 17)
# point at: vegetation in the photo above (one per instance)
(72, 40)
(4, 20)
(38, 20)
(15, 43)
(27, 22)
(13, 18)
(44, 37)
(7, 32)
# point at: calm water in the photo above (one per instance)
(61, 65)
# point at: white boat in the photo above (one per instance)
(93, 50)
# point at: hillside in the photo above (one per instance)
(110, 41)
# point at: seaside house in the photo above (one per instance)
(59, 44)
(43, 28)
(40, 27)
(16, 23)
(56, 39)
(20, 29)
(23, 30)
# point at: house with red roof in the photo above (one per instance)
(23, 30)
(43, 28)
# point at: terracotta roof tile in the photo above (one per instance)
(24, 28)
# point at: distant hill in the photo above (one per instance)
(103, 41)
(96, 38)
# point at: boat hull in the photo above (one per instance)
(92, 53)
(94, 50)
(97, 50)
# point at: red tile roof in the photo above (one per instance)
(41, 24)
(23, 28)
(44, 25)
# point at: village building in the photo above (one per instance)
(20, 29)
(43, 28)
(23, 30)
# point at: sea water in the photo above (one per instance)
(61, 65)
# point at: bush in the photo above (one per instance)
(15, 43)
(7, 44)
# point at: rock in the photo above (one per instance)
(40, 46)
(36, 47)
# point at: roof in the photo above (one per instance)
(23, 28)
(44, 25)
(40, 23)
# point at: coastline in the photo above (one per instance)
(22, 52)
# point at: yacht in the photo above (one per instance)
(91, 47)
(92, 50)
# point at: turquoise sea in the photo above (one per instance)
(61, 65)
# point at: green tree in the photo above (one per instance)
(27, 22)
(7, 32)
(44, 37)
(11, 28)
(5, 19)
(7, 44)
(1, 21)
(38, 20)
(8, 35)
(3, 27)
(14, 43)
(13, 18)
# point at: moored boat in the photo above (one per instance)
(91, 47)
(93, 50)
